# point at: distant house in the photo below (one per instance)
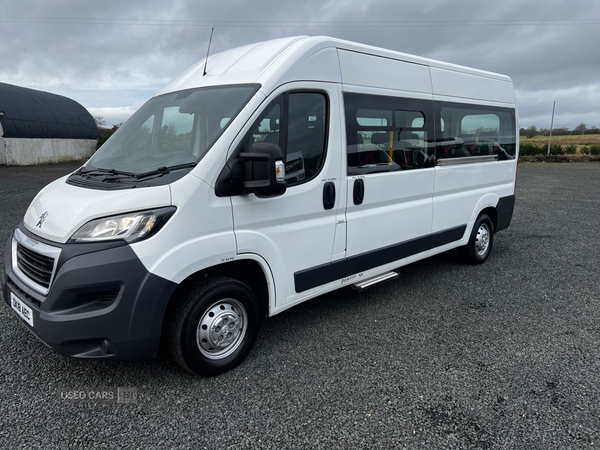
(38, 127)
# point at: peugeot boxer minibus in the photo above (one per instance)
(257, 179)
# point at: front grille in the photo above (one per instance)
(107, 297)
(36, 267)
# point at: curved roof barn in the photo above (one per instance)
(27, 113)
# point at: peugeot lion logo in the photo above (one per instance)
(42, 218)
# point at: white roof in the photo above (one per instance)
(275, 62)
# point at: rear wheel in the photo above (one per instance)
(480, 243)
(214, 326)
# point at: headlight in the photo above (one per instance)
(129, 227)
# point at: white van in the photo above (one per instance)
(184, 225)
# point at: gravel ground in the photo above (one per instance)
(502, 355)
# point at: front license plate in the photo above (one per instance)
(22, 309)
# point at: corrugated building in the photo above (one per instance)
(39, 127)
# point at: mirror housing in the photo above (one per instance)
(264, 170)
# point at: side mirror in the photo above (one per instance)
(264, 170)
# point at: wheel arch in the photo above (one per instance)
(492, 214)
(249, 269)
(486, 205)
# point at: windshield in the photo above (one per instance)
(172, 129)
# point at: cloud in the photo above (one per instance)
(116, 54)
(113, 116)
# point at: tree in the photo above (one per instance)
(580, 129)
(100, 122)
(531, 131)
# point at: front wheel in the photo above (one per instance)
(480, 243)
(214, 326)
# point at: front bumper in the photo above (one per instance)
(102, 303)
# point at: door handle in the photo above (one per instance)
(359, 191)
(328, 195)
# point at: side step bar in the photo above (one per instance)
(375, 280)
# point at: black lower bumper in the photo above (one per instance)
(102, 304)
(504, 212)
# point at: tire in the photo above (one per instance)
(481, 241)
(214, 326)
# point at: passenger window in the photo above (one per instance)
(473, 130)
(373, 118)
(302, 137)
(387, 134)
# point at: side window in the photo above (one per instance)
(266, 128)
(387, 134)
(473, 130)
(305, 144)
(297, 123)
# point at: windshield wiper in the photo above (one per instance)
(164, 170)
(101, 171)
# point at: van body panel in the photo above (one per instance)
(470, 86)
(199, 235)
(278, 228)
(461, 190)
(375, 71)
(322, 66)
(70, 207)
(397, 207)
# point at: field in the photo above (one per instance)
(577, 140)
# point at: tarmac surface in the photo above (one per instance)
(501, 355)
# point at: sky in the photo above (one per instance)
(112, 56)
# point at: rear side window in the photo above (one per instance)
(474, 130)
(387, 134)
(297, 122)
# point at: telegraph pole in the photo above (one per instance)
(551, 125)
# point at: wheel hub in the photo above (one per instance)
(482, 242)
(221, 328)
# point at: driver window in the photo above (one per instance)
(266, 128)
(297, 123)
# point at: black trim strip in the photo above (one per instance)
(326, 273)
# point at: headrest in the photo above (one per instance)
(273, 125)
(379, 138)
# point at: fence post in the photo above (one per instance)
(551, 125)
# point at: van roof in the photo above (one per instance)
(275, 62)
